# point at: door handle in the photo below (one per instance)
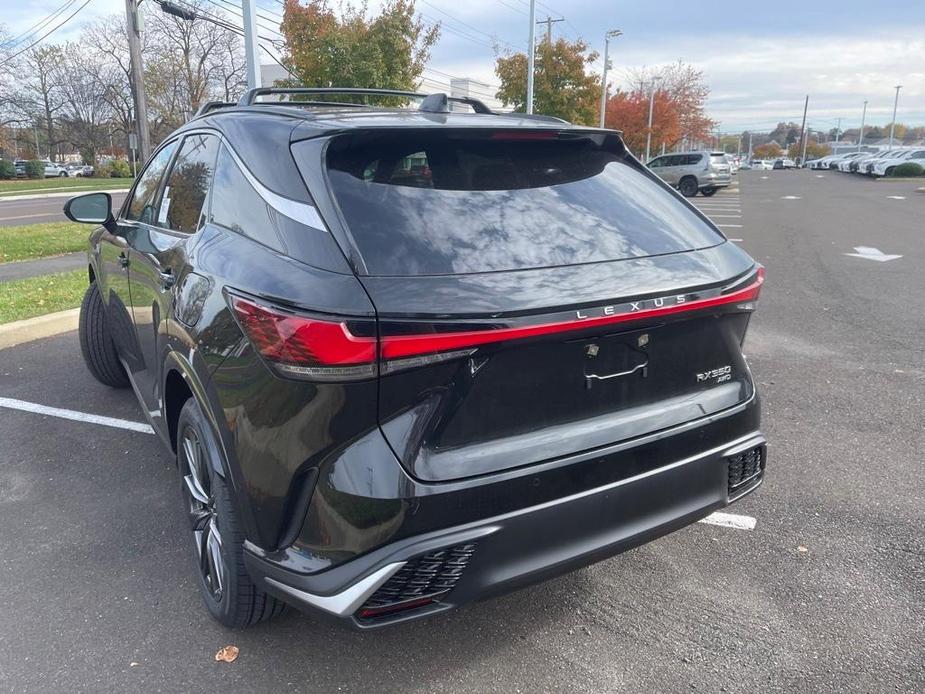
(168, 279)
(123, 260)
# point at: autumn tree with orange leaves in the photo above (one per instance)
(679, 113)
(350, 47)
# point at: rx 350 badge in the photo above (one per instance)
(718, 375)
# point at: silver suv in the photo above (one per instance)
(693, 171)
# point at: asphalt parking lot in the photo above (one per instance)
(825, 593)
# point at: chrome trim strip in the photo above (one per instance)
(349, 600)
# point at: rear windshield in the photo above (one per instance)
(419, 203)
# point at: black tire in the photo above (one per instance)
(227, 589)
(889, 171)
(708, 191)
(96, 345)
(688, 187)
(63, 174)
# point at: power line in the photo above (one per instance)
(32, 30)
(493, 37)
(47, 34)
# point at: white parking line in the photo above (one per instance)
(729, 238)
(895, 197)
(23, 406)
(730, 520)
(724, 216)
(729, 226)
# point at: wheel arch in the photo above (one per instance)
(180, 383)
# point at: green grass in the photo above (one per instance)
(26, 186)
(32, 241)
(37, 296)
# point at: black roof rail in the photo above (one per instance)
(250, 96)
(212, 106)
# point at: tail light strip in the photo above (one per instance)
(325, 349)
(397, 346)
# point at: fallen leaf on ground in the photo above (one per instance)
(801, 548)
(228, 654)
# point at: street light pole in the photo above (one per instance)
(251, 47)
(863, 118)
(531, 55)
(895, 104)
(649, 129)
(133, 24)
(612, 34)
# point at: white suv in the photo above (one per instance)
(53, 170)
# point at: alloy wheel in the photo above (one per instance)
(201, 511)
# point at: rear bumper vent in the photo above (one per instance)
(745, 470)
(420, 582)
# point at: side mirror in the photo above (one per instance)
(91, 208)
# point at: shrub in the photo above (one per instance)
(119, 168)
(35, 168)
(910, 168)
(7, 170)
(103, 169)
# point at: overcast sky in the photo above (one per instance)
(759, 59)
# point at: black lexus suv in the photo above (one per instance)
(408, 357)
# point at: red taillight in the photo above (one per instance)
(305, 346)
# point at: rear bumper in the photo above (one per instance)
(528, 545)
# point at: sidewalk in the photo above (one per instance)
(62, 193)
(24, 269)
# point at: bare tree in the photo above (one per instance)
(106, 37)
(189, 61)
(82, 77)
(38, 95)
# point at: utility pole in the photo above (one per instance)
(531, 56)
(133, 25)
(549, 21)
(749, 145)
(251, 47)
(803, 129)
(649, 129)
(612, 34)
(863, 118)
(837, 131)
(895, 104)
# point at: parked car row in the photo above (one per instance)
(692, 172)
(880, 163)
(54, 169)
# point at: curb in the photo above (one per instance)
(63, 194)
(21, 331)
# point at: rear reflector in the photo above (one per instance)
(305, 346)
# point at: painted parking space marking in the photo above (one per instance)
(74, 415)
(895, 197)
(730, 520)
(729, 226)
(791, 197)
(868, 253)
(729, 238)
(725, 216)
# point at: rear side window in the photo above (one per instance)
(237, 206)
(188, 184)
(144, 197)
(421, 203)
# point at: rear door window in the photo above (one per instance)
(421, 203)
(182, 204)
(141, 207)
